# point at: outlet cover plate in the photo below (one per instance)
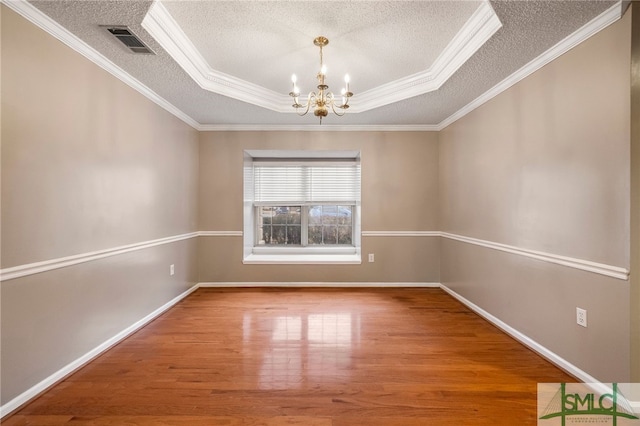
(581, 317)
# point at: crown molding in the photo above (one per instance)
(36, 17)
(315, 128)
(166, 31)
(599, 23)
(479, 28)
(482, 24)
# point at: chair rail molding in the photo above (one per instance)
(571, 262)
(61, 262)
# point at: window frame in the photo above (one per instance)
(297, 254)
(305, 210)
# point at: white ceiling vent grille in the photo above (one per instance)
(129, 39)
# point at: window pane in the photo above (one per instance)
(293, 235)
(315, 215)
(329, 212)
(315, 235)
(265, 213)
(345, 214)
(294, 215)
(280, 216)
(344, 235)
(265, 235)
(330, 234)
(330, 224)
(279, 235)
(280, 225)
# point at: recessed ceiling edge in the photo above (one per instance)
(479, 28)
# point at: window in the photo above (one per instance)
(279, 225)
(314, 225)
(302, 207)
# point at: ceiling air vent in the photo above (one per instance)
(129, 39)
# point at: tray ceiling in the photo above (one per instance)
(226, 64)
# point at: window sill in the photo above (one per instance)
(302, 259)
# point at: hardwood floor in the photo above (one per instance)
(305, 357)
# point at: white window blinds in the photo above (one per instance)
(306, 182)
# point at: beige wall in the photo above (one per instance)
(399, 193)
(87, 164)
(635, 195)
(545, 166)
(87, 161)
(90, 164)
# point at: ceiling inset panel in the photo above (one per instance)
(264, 42)
(397, 50)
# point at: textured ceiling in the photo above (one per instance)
(264, 42)
(376, 42)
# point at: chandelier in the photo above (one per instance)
(323, 99)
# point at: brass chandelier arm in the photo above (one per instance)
(341, 107)
(297, 105)
(331, 99)
(333, 108)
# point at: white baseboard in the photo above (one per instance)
(36, 390)
(525, 340)
(538, 348)
(59, 375)
(68, 369)
(317, 284)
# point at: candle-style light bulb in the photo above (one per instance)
(323, 70)
(294, 79)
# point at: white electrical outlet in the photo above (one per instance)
(581, 317)
(371, 258)
(172, 269)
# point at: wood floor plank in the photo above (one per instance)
(305, 357)
(168, 421)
